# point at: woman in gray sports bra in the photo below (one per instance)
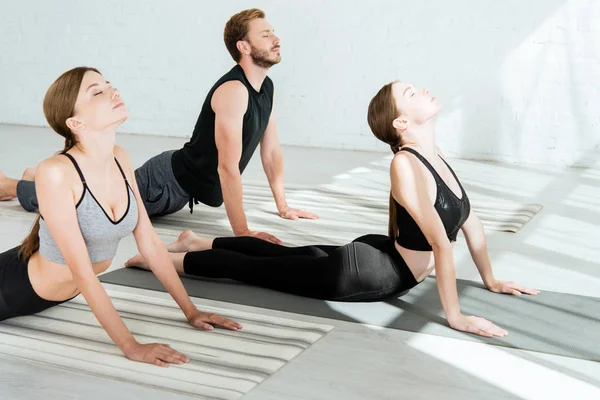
(88, 202)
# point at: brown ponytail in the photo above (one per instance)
(382, 112)
(59, 105)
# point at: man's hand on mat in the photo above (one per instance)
(511, 288)
(155, 353)
(206, 321)
(295, 213)
(477, 325)
(261, 235)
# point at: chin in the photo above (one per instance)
(122, 118)
(122, 111)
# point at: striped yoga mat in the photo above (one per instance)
(345, 211)
(224, 364)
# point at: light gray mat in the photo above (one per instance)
(551, 322)
(223, 364)
(346, 213)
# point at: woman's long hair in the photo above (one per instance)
(59, 105)
(382, 112)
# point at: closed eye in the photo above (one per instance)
(96, 94)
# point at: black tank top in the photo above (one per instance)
(195, 165)
(452, 210)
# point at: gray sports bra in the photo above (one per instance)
(101, 234)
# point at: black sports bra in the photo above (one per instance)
(452, 210)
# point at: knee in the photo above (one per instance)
(29, 207)
(27, 196)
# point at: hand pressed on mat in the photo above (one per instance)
(295, 213)
(261, 235)
(206, 321)
(155, 353)
(510, 288)
(477, 325)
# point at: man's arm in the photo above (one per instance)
(272, 161)
(229, 102)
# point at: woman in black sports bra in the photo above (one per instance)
(428, 206)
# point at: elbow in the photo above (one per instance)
(441, 246)
(226, 170)
(151, 246)
(266, 160)
(83, 277)
(442, 254)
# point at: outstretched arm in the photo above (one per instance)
(229, 102)
(153, 249)
(409, 187)
(272, 161)
(475, 237)
(57, 205)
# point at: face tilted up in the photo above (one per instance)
(99, 105)
(416, 105)
(264, 43)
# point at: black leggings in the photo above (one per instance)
(17, 296)
(367, 269)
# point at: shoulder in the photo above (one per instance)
(230, 97)
(121, 154)
(403, 164)
(269, 88)
(440, 152)
(407, 175)
(232, 89)
(124, 161)
(55, 170)
(269, 83)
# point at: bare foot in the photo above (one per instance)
(8, 187)
(188, 241)
(29, 174)
(137, 261)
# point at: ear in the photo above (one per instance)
(243, 47)
(75, 124)
(400, 123)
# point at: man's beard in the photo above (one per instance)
(261, 57)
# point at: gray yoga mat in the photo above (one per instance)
(551, 322)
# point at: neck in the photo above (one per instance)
(98, 146)
(256, 75)
(422, 137)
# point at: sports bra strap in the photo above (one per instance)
(76, 167)
(423, 160)
(121, 169)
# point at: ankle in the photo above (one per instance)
(8, 188)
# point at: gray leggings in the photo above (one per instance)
(159, 189)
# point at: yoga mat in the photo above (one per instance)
(224, 364)
(345, 214)
(551, 322)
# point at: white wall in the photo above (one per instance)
(519, 79)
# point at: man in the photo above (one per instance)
(236, 116)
